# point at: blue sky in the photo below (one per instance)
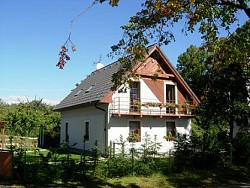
(32, 32)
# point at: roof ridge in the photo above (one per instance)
(103, 68)
(117, 61)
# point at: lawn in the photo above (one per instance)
(73, 176)
(205, 178)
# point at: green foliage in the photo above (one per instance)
(220, 74)
(95, 154)
(183, 155)
(118, 166)
(153, 24)
(193, 68)
(241, 145)
(25, 119)
(226, 94)
(149, 147)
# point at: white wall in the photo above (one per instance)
(148, 96)
(152, 126)
(76, 130)
(122, 100)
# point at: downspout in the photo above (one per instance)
(105, 127)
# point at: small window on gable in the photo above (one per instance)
(134, 131)
(88, 90)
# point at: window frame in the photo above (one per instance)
(66, 132)
(171, 110)
(135, 96)
(173, 129)
(137, 131)
(86, 136)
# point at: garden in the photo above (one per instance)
(144, 167)
(39, 160)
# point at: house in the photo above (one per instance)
(157, 107)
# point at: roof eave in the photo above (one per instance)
(73, 107)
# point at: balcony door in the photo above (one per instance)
(170, 98)
(135, 97)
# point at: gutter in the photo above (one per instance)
(105, 127)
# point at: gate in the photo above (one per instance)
(5, 163)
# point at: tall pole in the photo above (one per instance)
(2, 123)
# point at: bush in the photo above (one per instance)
(118, 166)
(241, 146)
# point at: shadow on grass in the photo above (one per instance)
(205, 178)
(90, 183)
(195, 178)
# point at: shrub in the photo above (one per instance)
(118, 166)
(241, 146)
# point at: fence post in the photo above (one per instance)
(123, 150)
(113, 149)
(133, 161)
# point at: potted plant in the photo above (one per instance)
(169, 137)
(133, 137)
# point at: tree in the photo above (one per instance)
(220, 75)
(157, 17)
(193, 68)
(223, 80)
(25, 119)
(154, 22)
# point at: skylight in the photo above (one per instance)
(78, 92)
(88, 90)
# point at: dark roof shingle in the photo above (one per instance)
(94, 88)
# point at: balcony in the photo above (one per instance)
(148, 107)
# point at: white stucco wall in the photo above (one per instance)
(121, 101)
(76, 127)
(119, 126)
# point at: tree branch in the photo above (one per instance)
(242, 5)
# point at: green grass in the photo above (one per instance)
(35, 153)
(166, 179)
(186, 179)
(195, 178)
(156, 180)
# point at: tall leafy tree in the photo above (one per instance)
(155, 21)
(229, 77)
(194, 69)
(220, 75)
(224, 102)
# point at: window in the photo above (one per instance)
(78, 92)
(67, 132)
(188, 101)
(171, 130)
(86, 131)
(135, 97)
(88, 90)
(134, 131)
(170, 97)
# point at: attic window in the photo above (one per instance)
(78, 92)
(89, 88)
